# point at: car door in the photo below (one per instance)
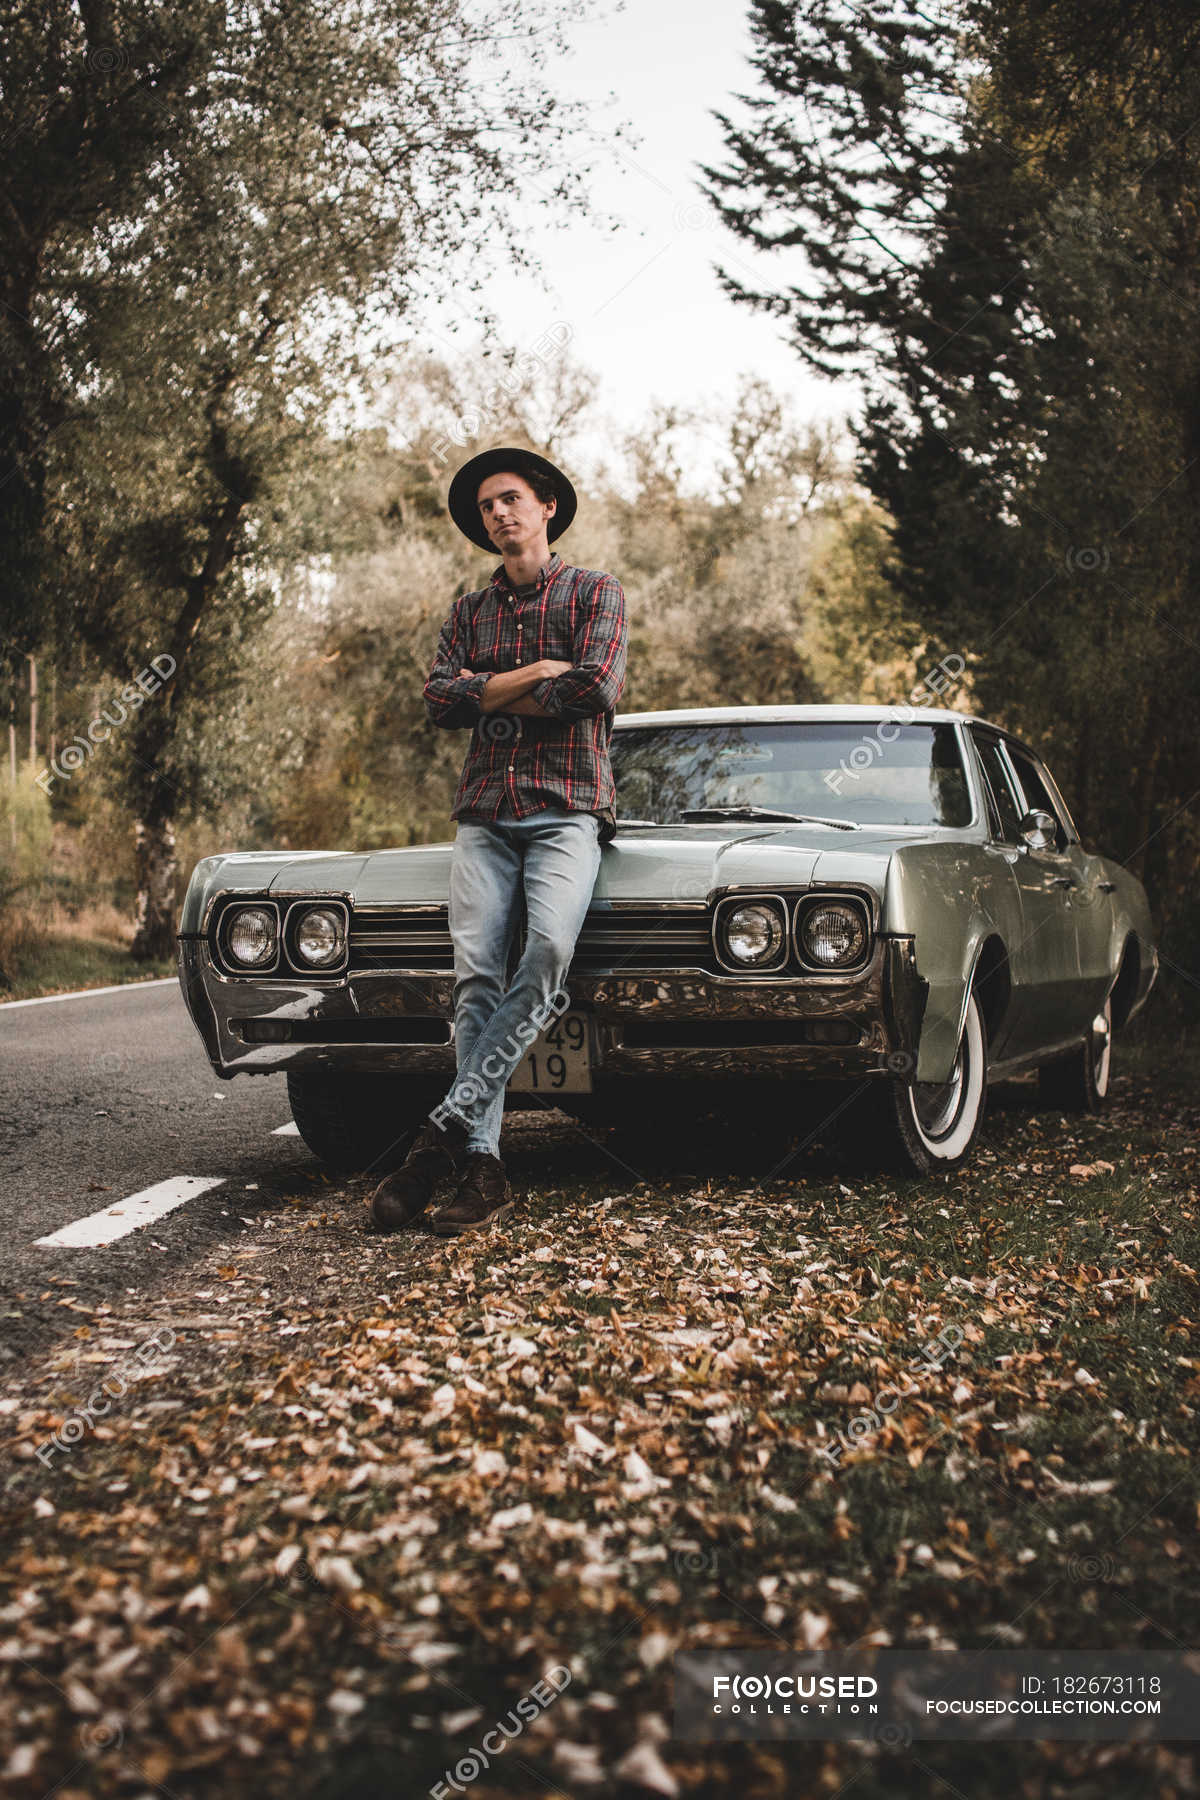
(1088, 898)
(1048, 882)
(1043, 963)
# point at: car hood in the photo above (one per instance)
(669, 862)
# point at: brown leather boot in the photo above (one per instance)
(436, 1153)
(483, 1195)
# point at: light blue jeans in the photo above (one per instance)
(554, 856)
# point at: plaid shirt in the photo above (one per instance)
(519, 764)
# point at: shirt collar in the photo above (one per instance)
(545, 574)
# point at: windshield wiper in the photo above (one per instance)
(621, 821)
(700, 813)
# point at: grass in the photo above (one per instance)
(70, 950)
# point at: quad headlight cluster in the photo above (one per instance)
(761, 933)
(312, 937)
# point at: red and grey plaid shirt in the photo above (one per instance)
(518, 764)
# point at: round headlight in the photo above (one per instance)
(320, 936)
(833, 934)
(250, 936)
(753, 934)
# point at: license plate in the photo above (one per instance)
(558, 1061)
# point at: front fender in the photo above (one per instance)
(1131, 918)
(950, 898)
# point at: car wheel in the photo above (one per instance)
(932, 1125)
(354, 1122)
(1079, 1082)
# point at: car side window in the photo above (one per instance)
(1003, 802)
(1036, 793)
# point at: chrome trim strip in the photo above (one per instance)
(385, 940)
(610, 906)
(418, 939)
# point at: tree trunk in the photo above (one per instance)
(1146, 794)
(12, 760)
(154, 842)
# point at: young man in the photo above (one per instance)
(534, 664)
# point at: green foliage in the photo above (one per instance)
(25, 832)
(25, 829)
(995, 208)
(216, 216)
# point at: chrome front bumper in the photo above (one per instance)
(676, 1023)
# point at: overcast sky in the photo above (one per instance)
(643, 303)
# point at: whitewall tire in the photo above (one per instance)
(932, 1125)
(1079, 1082)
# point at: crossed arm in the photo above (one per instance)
(457, 696)
(509, 691)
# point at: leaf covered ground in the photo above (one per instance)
(702, 1388)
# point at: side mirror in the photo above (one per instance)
(1039, 830)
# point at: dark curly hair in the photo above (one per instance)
(541, 483)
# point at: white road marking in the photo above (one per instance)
(122, 987)
(291, 1129)
(126, 1215)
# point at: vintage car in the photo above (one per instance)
(893, 898)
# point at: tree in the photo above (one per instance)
(994, 206)
(94, 101)
(219, 216)
(738, 597)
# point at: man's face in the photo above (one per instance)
(513, 516)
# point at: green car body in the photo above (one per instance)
(1044, 938)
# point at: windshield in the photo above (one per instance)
(912, 775)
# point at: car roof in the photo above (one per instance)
(856, 715)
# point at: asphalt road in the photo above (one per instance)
(103, 1095)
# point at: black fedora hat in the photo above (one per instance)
(464, 489)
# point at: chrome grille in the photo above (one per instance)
(645, 937)
(634, 936)
(400, 937)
